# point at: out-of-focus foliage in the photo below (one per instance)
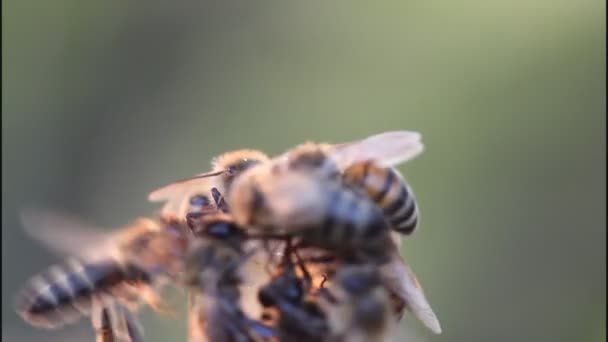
(105, 100)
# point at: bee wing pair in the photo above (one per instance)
(387, 149)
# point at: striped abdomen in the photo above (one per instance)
(64, 293)
(390, 191)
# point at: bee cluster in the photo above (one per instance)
(300, 247)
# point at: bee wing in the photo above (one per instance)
(67, 235)
(400, 279)
(387, 149)
(177, 195)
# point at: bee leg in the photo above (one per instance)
(322, 285)
(191, 219)
(196, 321)
(286, 259)
(305, 272)
(219, 200)
(327, 295)
(100, 318)
(270, 254)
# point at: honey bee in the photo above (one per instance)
(125, 267)
(360, 307)
(213, 276)
(296, 317)
(383, 184)
(320, 213)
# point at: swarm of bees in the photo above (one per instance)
(300, 247)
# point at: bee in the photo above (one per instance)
(360, 306)
(287, 306)
(383, 184)
(213, 276)
(129, 265)
(319, 213)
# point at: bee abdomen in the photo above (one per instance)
(389, 191)
(63, 294)
(403, 212)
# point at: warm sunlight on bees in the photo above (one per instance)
(303, 246)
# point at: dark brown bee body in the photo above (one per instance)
(390, 191)
(317, 211)
(64, 293)
(352, 227)
(287, 307)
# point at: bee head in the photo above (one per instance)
(236, 162)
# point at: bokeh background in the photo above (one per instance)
(105, 100)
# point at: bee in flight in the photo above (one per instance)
(342, 197)
(113, 274)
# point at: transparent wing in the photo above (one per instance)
(177, 194)
(67, 235)
(401, 280)
(387, 149)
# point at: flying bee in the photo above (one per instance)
(129, 265)
(213, 276)
(360, 306)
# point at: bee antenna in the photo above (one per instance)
(202, 175)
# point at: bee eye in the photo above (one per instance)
(222, 230)
(199, 200)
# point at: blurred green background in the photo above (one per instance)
(105, 100)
